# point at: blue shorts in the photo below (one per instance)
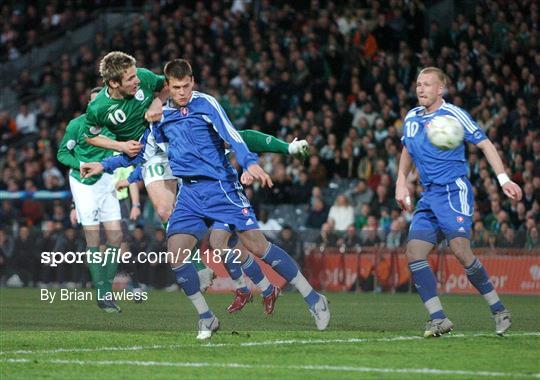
(201, 203)
(444, 208)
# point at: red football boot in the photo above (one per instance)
(240, 300)
(269, 302)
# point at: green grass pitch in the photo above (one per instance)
(373, 336)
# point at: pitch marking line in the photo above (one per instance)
(260, 343)
(423, 371)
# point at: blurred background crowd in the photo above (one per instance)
(339, 74)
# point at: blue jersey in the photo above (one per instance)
(193, 137)
(135, 175)
(437, 166)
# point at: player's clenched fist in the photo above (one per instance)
(155, 112)
(512, 190)
(90, 169)
(131, 147)
(403, 197)
(246, 178)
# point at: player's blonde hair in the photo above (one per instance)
(435, 70)
(114, 65)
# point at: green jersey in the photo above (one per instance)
(74, 149)
(123, 117)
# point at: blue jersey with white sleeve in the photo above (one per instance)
(437, 166)
(135, 175)
(195, 135)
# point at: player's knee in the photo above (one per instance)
(256, 246)
(218, 242)
(164, 212)
(114, 238)
(464, 257)
(413, 255)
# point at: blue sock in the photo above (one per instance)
(187, 278)
(426, 284)
(253, 271)
(479, 278)
(206, 315)
(281, 262)
(234, 268)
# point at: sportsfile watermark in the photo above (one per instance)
(112, 255)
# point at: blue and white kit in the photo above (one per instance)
(194, 137)
(447, 203)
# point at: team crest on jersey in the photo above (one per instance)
(71, 144)
(459, 219)
(139, 95)
(95, 130)
(245, 211)
(184, 111)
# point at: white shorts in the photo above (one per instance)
(95, 203)
(157, 168)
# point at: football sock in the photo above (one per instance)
(259, 142)
(426, 285)
(235, 272)
(253, 270)
(111, 266)
(188, 280)
(96, 272)
(479, 278)
(305, 289)
(287, 268)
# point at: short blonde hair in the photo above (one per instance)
(435, 70)
(114, 65)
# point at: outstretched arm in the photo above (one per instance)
(511, 189)
(111, 163)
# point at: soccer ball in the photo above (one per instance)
(445, 132)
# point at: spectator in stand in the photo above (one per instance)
(24, 262)
(26, 121)
(317, 214)
(370, 232)
(289, 240)
(270, 227)
(396, 237)
(351, 241)
(342, 213)
(328, 237)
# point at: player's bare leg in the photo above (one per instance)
(287, 268)
(426, 284)
(219, 240)
(479, 278)
(162, 194)
(180, 246)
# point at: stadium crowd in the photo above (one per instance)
(342, 77)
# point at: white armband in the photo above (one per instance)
(503, 178)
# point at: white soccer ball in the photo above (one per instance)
(445, 132)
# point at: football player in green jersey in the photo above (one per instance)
(125, 106)
(95, 203)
